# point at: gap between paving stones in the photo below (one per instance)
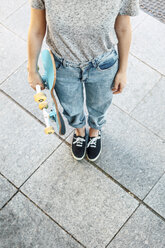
(68, 144)
(12, 195)
(12, 73)
(146, 64)
(123, 225)
(12, 32)
(8, 200)
(13, 12)
(112, 103)
(110, 177)
(142, 20)
(162, 139)
(28, 112)
(153, 186)
(9, 181)
(40, 164)
(115, 181)
(44, 213)
(140, 203)
(127, 190)
(52, 219)
(106, 174)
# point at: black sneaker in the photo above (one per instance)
(79, 146)
(94, 147)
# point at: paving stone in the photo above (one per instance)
(12, 52)
(148, 43)
(8, 7)
(151, 110)
(23, 145)
(136, 20)
(80, 198)
(22, 224)
(19, 21)
(7, 190)
(26, 95)
(156, 198)
(140, 79)
(144, 230)
(130, 153)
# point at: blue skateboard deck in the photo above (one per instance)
(49, 80)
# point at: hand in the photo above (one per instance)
(34, 78)
(120, 82)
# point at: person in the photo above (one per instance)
(82, 36)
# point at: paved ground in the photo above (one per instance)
(154, 8)
(48, 199)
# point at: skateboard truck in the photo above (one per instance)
(49, 129)
(49, 80)
(40, 98)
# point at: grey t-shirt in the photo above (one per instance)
(79, 30)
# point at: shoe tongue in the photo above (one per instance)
(93, 137)
(79, 136)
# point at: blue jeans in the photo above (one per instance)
(97, 76)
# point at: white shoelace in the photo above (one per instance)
(92, 142)
(79, 141)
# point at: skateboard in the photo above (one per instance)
(49, 80)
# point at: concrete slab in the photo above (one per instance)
(8, 7)
(22, 224)
(23, 142)
(148, 43)
(18, 82)
(151, 110)
(12, 54)
(136, 20)
(80, 198)
(144, 230)
(6, 192)
(19, 21)
(140, 79)
(156, 198)
(131, 153)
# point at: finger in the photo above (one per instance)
(42, 87)
(33, 86)
(115, 87)
(118, 91)
(121, 87)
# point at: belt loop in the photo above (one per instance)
(94, 62)
(64, 62)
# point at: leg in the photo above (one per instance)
(69, 90)
(99, 95)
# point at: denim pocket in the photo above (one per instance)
(107, 63)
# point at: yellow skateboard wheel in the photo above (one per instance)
(43, 105)
(40, 97)
(49, 130)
